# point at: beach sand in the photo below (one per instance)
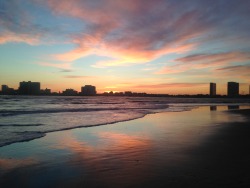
(205, 147)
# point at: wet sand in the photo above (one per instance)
(205, 147)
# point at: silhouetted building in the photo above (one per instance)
(128, 93)
(118, 93)
(29, 88)
(46, 92)
(232, 89)
(212, 89)
(88, 90)
(69, 92)
(5, 89)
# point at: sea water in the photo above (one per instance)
(29, 117)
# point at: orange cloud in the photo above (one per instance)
(126, 57)
(72, 55)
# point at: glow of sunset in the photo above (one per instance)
(170, 47)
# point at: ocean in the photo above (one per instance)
(24, 118)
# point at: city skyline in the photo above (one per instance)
(34, 88)
(162, 47)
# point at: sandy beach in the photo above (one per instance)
(204, 147)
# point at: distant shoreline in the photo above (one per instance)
(144, 95)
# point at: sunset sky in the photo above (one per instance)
(153, 46)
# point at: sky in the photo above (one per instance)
(152, 46)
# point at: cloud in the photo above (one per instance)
(171, 85)
(16, 24)
(72, 55)
(130, 32)
(64, 67)
(204, 61)
(241, 72)
(236, 68)
(218, 58)
(27, 21)
(75, 76)
(8, 36)
(65, 70)
(138, 32)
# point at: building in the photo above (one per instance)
(29, 88)
(45, 91)
(5, 89)
(8, 91)
(69, 92)
(128, 93)
(88, 90)
(212, 89)
(232, 89)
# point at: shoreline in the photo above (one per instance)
(191, 107)
(200, 148)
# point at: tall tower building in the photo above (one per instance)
(212, 89)
(232, 89)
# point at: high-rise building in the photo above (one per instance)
(88, 90)
(29, 88)
(212, 89)
(232, 89)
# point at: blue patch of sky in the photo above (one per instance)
(56, 25)
(25, 52)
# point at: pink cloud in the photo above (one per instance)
(122, 32)
(9, 36)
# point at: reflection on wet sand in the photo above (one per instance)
(9, 164)
(116, 155)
